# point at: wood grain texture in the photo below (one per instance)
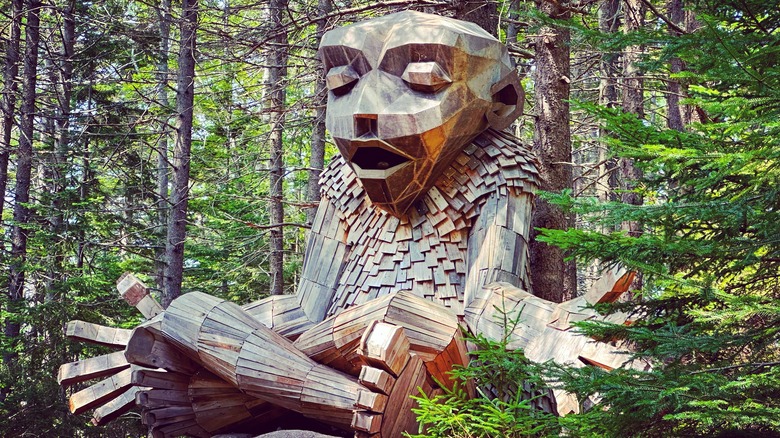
(398, 416)
(100, 392)
(149, 348)
(92, 368)
(424, 224)
(426, 252)
(114, 408)
(97, 334)
(384, 346)
(136, 294)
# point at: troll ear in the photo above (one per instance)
(508, 97)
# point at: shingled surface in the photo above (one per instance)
(426, 251)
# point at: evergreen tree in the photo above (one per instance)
(707, 317)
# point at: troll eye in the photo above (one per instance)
(341, 79)
(427, 77)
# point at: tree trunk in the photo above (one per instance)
(481, 12)
(56, 164)
(691, 113)
(9, 94)
(674, 88)
(317, 157)
(633, 102)
(609, 22)
(185, 92)
(277, 80)
(163, 204)
(552, 278)
(20, 231)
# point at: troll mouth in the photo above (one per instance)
(377, 158)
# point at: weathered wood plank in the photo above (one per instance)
(92, 368)
(385, 346)
(376, 379)
(100, 392)
(97, 334)
(367, 422)
(135, 293)
(115, 408)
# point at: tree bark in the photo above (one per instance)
(163, 201)
(609, 22)
(481, 12)
(674, 88)
(691, 113)
(10, 86)
(185, 92)
(277, 80)
(633, 102)
(552, 278)
(55, 162)
(20, 230)
(317, 157)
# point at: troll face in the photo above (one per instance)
(407, 92)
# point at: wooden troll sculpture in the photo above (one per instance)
(423, 227)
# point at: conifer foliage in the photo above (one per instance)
(707, 317)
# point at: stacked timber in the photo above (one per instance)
(432, 330)
(110, 397)
(238, 349)
(393, 375)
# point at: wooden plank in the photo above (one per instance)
(160, 379)
(92, 368)
(371, 401)
(610, 286)
(385, 346)
(367, 422)
(376, 379)
(100, 392)
(149, 349)
(183, 428)
(399, 404)
(115, 408)
(135, 293)
(160, 398)
(97, 334)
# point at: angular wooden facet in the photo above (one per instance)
(385, 346)
(368, 422)
(115, 408)
(427, 77)
(340, 79)
(376, 379)
(398, 415)
(407, 89)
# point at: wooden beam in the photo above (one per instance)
(149, 349)
(92, 368)
(97, 334)
(398, 412)
(385, 346)
(116, 407)
(161, 379)
(371, 401)
(367, 422)
(100, 392)
(135, 293)
(376, 379)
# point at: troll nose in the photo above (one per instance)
(365, 125)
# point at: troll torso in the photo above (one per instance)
(428, 252)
